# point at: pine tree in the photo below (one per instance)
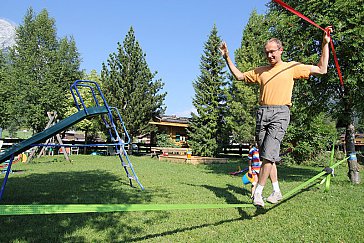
(128, 84)
(243, 97)
(43, 69)
(207, 131)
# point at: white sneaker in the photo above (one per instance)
(258, 200)
(274, 197)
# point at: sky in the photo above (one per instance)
(171, 33)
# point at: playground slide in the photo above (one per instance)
(52, 131)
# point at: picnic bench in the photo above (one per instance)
(180, 155)
(165, 151)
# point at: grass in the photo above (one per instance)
(310, 216)
(22, 134)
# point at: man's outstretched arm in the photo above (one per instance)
(233, 69)
(321, 67)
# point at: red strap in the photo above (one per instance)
(337, 63)
(289, 8)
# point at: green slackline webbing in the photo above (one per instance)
(103, 208)
(293, 191)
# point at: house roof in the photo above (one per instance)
(171, 121)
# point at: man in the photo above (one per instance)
(276, 82)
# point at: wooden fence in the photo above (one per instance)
(143, 148)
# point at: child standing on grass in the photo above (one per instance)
(254, 165)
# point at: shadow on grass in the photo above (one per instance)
(82, 188)
(151, 236)
(225, 193)
(71, 187)
(261, 210)
(86, 187)
(285, 173)
(228, 194)
(96, 187)
(229, 197)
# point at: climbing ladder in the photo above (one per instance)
(113, 121)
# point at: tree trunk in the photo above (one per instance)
(130, 146)
(353, 173)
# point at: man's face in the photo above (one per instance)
(273, 53)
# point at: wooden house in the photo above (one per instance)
(175, 127)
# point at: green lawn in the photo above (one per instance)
(310, 216)
(22, 134)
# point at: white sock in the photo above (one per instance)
(276, 186)
(259, 189)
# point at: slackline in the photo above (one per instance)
(301, 186)
(103, 208)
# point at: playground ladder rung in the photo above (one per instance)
(126, 165)
(117, 152)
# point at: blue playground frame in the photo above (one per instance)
(110, 116)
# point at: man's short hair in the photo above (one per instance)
(277, 41)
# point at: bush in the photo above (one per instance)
(310, 141)
(164, 140)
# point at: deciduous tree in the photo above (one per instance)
(303, 43)
(5, 92)
(43, 69)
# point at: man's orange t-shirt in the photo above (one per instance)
(276, 82)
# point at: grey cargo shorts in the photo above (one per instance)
(271, 125)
